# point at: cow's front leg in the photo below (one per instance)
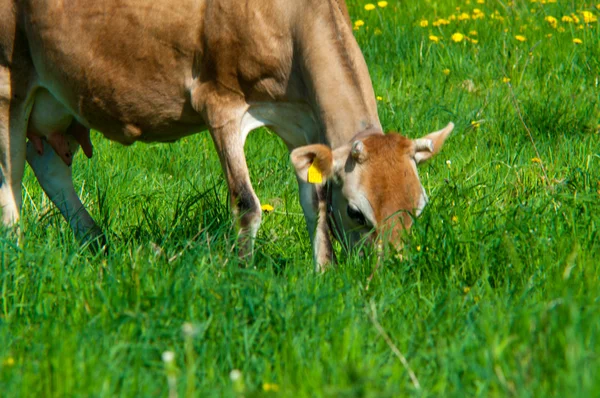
(245, 205)
(56, 180)
(313, 199)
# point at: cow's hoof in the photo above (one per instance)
(95, 241)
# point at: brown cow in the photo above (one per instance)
(159, 70)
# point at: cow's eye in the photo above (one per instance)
(356, 215)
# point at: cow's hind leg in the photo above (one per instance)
(13, 112)
(245, 205)
(56, 180)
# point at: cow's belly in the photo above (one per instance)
(126, 74)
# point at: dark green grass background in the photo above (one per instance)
(497, 293)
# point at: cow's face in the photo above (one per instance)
(373, 181)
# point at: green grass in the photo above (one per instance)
(497, 293)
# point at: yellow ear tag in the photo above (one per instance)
(314, 174)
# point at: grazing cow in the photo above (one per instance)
(159, 70)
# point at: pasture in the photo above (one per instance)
(496, 292)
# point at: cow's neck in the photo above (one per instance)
(336, 74)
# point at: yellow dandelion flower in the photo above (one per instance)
(379, 98)
(473, 33)
(464, 16)
(520, 38)
(369, 7)
(505, 79)
(577, 41)
(475, 124)
(458, 37)
(440, 22)
(434, 38)
(10, 361)
(588, 17)
(424, 23)
(466, 290)
(566, 18)
(267, 208)
(382, 4)
(359, 22)
(549, 35)
(536, 160)
(446, 72)
(474, 41)
(552, 21)
(454, 219)
(270, 387)
(560, 29)
(418, 248)
(575, 18)
(480, 1)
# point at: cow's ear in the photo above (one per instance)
(431, 144)
(313, 163)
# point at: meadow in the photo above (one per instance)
(497, 293)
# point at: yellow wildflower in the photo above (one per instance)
(382, 4)
(10, 361)
(480, 1)
(478, 14)
(379, 98)
(552, 21)
(473, 33)
(466, 290)
(446, 72)
(458, 37)
(566, 18)
(424, 23)
(434, 38)
(549, 35)
(377, 31)
(475, 124)
(418, 248)
(575, 18)
(474, 41)
(536, 160)
(577, 41)
(464, 16)
(505, 79)
(561, 29)
(369, 7)
(359, 22)
(454, 219)
(520, 38)
(588, 17)
(270, 387)
(267, 208)
(441, 21)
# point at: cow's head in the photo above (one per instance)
(373, 181)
